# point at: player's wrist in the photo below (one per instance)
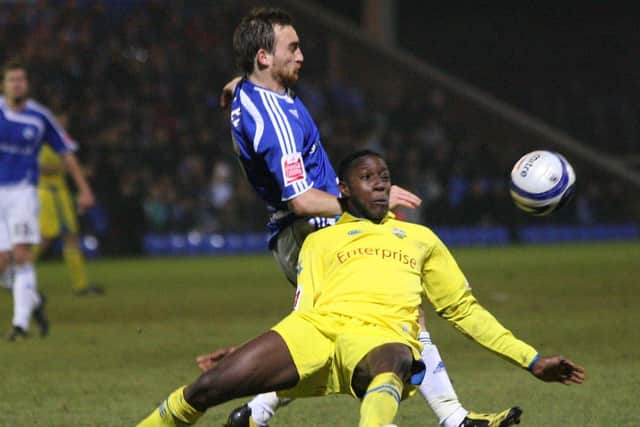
(533, 362)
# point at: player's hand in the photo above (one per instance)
(85, 200)
(398, 196)
(227, 92)
(208, 361)
(558, 368)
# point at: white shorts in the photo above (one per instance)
(18, 216)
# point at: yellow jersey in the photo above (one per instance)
(52, 169)
(378, 273)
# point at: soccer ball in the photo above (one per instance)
(541, 182)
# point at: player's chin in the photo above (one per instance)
(378, 210)
(294, 76)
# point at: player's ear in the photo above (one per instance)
(263, 59)
(344, 189)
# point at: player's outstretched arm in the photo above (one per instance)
(314, 202)
(85, 195)
(398, 196)
(558, 369)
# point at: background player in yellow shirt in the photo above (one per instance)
(354, 328)
(58, 219)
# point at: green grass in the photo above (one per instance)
(109, 361)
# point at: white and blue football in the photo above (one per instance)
(541, 182)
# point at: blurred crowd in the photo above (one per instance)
(139, 81)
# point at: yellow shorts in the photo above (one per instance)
(57, 215)
(326, 348)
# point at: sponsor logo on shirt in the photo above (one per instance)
(293, 168)
(294, 112)
(382, 253)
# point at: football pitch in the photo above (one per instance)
(110, 360)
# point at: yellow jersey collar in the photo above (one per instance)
(347, 217)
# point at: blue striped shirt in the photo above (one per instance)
(22, 134)
(278, 145)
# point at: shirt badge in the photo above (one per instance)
(399, 233)
(293, 168)
(28, 133)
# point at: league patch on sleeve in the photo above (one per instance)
(293, 168)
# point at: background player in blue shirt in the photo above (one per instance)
(279, 148)
(24, 126)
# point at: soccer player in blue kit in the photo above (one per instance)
(280, 150)
(24, 126)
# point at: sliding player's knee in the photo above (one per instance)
(396, 358)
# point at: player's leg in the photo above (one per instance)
(5, 243)
(71, 250)
(379, 380)
(50, 227)
(76, 266)
(260, 365)
(285, 251)
(24, 232)
(437, 390)
(27, 301)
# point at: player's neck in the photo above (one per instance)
(264, 79)
(16, 104)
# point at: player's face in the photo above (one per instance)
(15, 84)
(367, 188)
(287, 55)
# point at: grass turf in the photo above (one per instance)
(110, 360)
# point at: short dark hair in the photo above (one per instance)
(255, 32)
(13, 64)
(346, 164)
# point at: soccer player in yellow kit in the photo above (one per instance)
(354, 328)
(58, 219)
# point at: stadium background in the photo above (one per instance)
(139, 82)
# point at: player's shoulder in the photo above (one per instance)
(36, 108)
(247, 103)
(326, 234)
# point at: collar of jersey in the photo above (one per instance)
(347, 217)
(286, 95)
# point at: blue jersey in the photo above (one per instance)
(279, 148)
(21, 136)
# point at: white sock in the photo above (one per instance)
(263, 406)
(436, 388)
(25, 294)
